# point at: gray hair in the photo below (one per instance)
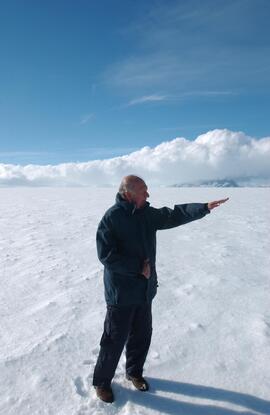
(128, 184)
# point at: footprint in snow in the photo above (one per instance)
(196, 326)
(267, 328)
(79, 386)
(186, 289)
(88, 362)
(95, 351)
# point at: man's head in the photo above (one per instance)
(134, 189)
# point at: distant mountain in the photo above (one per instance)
(247, 182)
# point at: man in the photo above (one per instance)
(126, 246)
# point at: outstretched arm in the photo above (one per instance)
(166, 218)
(216, 203)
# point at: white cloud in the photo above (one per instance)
(215, 155)
(146, 98)
(158, 98)
(190, 45)
(86, 118)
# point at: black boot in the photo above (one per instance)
(105, 394)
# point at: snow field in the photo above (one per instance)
(211, 338)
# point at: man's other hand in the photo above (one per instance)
(216, 203)
(146, 271)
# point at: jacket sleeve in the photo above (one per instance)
(108, 253)
(166, 218)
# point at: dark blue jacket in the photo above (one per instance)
(126, 236)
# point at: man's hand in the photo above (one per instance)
(146, 271)
(216, 203)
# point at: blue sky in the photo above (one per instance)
(83, 80)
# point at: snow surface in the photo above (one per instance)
(211, 340)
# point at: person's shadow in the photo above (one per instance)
(167, 405)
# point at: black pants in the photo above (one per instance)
(130, 325)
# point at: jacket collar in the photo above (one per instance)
(129, 206)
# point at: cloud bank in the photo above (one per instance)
(215, 155)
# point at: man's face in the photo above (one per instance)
(140, 194)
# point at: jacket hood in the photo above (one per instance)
(128, 206)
